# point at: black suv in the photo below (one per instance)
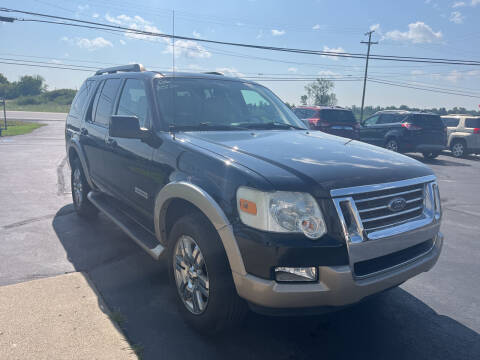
(406, 131)
(330, 119)
(217, 177)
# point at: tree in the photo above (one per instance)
(31, 85)
(320, 92)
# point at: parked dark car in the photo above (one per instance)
(406, 131)
(218, 178)
(330, 119)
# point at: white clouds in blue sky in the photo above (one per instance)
(417, 33)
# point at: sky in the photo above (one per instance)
(421, 28)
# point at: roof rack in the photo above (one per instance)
(213, 73)
(125, 68)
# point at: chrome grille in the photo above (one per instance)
(373, 207)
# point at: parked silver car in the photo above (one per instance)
(463, 133)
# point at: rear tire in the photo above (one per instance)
(392, 144)
(80, 190)
(201, 276)
(458, 149)
(430, 155)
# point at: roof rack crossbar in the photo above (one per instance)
(125, 68)
(213, 73)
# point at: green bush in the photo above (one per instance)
(29, 100)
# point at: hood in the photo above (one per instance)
(312, 157)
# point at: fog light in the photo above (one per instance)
(296, 273)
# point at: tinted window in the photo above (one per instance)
(472, 123)
(391, 118)
(193, 102)
(427, 121)
(105, 101)
(133, 102)
(81, 98)
(305, 113)
(299, 113)
(451, 121)
(371, 120)
(337, 116)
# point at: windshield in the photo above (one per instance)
(211, 104)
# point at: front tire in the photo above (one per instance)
(430, 155)
(201, 276)
(80, 190)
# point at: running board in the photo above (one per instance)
(144, 238)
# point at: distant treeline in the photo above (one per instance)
(32, 90)
(370, 110)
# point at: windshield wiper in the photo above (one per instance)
(271, 125)
(205, 127)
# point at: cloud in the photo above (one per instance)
(276, 32)
(327, 73)
(338, 50)
(230, 72)
(55, 61)
(93, 44)
(416, 72)
(475, 2)
(458, 4)
(456, 17)
(95, 15)
(196, 34)
(375, 27)
(417, 33)
(454, 76)
(189, 49)
(136, 23)
(123, 42)
(260, 34)
(316, 27)
(292, 69)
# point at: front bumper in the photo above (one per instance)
(336, 286)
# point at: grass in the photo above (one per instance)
(19, 127)
(49, 106)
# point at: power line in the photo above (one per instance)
(93, 24)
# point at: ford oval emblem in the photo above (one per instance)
(397, 204)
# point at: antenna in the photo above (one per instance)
(173, 41)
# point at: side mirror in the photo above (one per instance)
(126, 127)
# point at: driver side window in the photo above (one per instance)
(371, 121)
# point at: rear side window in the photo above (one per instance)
(427, 121)
(337, 116)
(391, 118)
(472, 123)
(80, 99)
(451, 121)
(134, 102)
(105, 102)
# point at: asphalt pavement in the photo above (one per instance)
(433, 316)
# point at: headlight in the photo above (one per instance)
(281, 211)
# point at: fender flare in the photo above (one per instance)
(209, 207)
(81, 156)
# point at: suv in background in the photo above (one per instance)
(334, 120)
(218, 178)
(463, 133)
(406, 131)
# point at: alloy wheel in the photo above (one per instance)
(77, 186)
(392, 145)
(191, 276)
(458, 149)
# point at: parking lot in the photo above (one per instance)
(433, 316)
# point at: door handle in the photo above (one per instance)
(111, 142)
(84, 132)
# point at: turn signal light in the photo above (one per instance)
(248, 206)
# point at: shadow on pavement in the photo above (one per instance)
(438, 161)
(394, 325)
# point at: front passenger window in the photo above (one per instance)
(133, 102)
(371, 121)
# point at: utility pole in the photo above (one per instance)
(369, 43)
